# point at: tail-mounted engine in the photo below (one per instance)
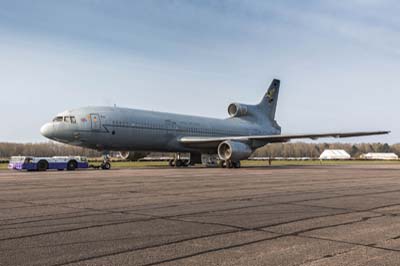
(237, 109)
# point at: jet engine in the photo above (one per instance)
(132, 155)
(237, 110)
(234, 151)
(124, 154)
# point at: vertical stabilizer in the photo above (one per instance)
(269, 102)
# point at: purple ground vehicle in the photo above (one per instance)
(31, 163)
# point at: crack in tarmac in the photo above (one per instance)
(239, 230)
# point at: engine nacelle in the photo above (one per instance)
(237, 109)
(234, 151)
(124, 154)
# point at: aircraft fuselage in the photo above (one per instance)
(113, 128)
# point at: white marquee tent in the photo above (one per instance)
(335, 155)
(379, 156)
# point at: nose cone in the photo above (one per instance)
(47, 130)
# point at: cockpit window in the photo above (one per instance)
(66, 119)
(58, 119)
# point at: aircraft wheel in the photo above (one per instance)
(179, 163)
(72, 165)
(106, 166)
(236, 164)
(42, 165)
(171, 163)
(186, 163)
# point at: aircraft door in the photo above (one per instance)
(171, 126)
(95, 120)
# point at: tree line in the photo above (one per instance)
(285, 150)
(45, 149)
(314, 150)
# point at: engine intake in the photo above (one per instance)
(237, 110)
(124, 154)
(233, 150)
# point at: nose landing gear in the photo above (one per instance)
(106, 164)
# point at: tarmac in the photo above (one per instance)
(280, 215)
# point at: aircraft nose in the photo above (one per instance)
(47, 130)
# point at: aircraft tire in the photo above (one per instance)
(171, 163)
(42, 165)
(179, 163)
(72, 165)
(236, 164)
(227, 164)
(106, 166)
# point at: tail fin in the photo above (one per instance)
(269, 102)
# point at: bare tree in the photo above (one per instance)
(44, 149)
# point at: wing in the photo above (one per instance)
(211, 142)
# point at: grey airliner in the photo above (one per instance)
(223, 142)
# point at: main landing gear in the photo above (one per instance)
(229, 164)
(206, 159)
(179, 162)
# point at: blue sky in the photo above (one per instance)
(339, 61)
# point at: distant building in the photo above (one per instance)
(335, 155)
(379, 156)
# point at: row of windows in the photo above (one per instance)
(120, 123)
(173, 127)
(170, 126)
(67, 119)
(138, 124)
